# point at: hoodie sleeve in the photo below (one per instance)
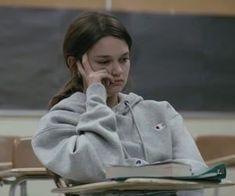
(183, 144)
(79, 145)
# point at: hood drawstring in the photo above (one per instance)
(126, 102)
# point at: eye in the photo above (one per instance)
(124, 59)
(103, 62)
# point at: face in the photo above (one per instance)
(112, 54)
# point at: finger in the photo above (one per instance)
(106, 82)
(86, 64)
(103, 74)
(80, 68)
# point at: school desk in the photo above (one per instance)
(141, 185)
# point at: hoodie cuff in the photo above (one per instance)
(96, 90)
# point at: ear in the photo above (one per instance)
(71, 61)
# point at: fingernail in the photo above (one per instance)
(84, 58)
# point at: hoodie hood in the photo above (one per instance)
(131, 99)
(121, 108)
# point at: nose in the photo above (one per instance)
(116, 69)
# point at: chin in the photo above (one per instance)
(114, 91)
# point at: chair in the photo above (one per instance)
(25, 166)
(6, 151)
(217, 149)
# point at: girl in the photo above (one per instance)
(92, 125)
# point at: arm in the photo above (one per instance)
(78, 146)
(183, 144)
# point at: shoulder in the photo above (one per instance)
(159, 109)
(66, 111)
(73, 103)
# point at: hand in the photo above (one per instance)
(90, 76)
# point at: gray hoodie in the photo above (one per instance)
(80, 136)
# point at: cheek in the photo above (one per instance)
(94, 66)
(126, 70)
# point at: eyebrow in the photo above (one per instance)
(107, 56)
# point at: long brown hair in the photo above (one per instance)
(81, 35)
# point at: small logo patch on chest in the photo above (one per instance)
(159, 126)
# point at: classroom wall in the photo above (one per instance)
(218, 7)
(24, 123)
(198, 124)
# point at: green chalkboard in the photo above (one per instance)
(188, 60)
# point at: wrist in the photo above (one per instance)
(96, 89)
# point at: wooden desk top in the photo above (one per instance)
(5, 165)
(229, 161)
(141, 184)
(16, 172)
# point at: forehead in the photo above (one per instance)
(110, 46)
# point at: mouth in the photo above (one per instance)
(117, 83)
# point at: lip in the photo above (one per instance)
(117, 83)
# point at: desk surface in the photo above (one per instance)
(229, 161)
(141, 184)
(16, 172)
(5, 165)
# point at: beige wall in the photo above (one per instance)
(197, 123)
(218, 7)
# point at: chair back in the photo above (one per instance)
(216, 146)
(24, 156)
(6, 151)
